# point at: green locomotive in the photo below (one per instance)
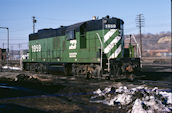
(93, 48)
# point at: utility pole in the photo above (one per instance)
(171, 19)
(19, 50)
(3, 45)
(171, 26)
(20, 55)
(140, 24)
(34, 21)
(8, 42)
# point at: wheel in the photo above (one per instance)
(40, 68)
(107, 77)
(32, 67)
(131, 77)
(43, 68)
(88, 76)
(68, 69)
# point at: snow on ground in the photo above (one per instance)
(11, 68)
(141, 99)
(168, 95)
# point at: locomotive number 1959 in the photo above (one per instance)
(110, 26)
(36, 48)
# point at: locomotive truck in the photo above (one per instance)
(93, 49)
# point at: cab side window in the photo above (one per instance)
(70, 35)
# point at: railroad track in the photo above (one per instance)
(139, 80)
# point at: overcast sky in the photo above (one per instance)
(17, 15)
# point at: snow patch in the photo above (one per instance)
(141, 99)
(123, 98)
(167, 95)
(12, 68)
(137, 107)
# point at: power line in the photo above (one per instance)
(171, 19)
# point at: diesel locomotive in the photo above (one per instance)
(93, 48)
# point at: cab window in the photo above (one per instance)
(70, 35)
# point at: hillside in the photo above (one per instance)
(166, 39)
(154, 42)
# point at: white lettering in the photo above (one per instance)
(72, 44)
(36, 48)
(72, 55)
(110, 26)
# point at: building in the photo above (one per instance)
(160, 52)
(3, 55)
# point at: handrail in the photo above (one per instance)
(101, 50)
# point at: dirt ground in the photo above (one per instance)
(25, 92)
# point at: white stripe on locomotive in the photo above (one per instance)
(112, 44)
(109, 34)
(116, 53)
